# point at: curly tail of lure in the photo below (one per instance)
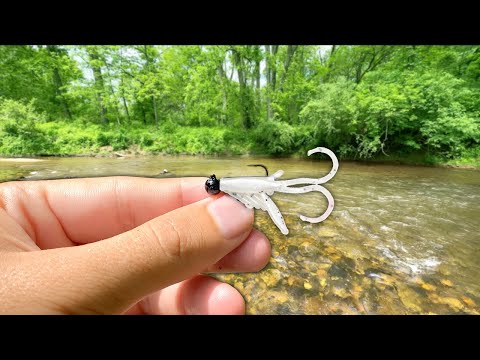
(255, 191)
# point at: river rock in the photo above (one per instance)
(337, 271)
(446, 282)
(292, 249)
(325, 231)
(314, 306)
(308, 249)
(271, 277)
(307, 285)
(468, 301)
(410, 299)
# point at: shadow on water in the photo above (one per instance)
(401, 239)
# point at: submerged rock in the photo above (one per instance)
(271, 277)
(468, 301)
(410, 299)
(337, 271)
(327, 232)
(446, 282)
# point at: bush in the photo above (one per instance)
(426, 111)
(19, 131)
(121, 140)
(18, 112)
(275, 137)
(333, 115)
(104, 139)
(399, 112)
(452, 133)
(146, 141)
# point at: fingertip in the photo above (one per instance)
(226, 300)
(204, 295)
(262, 251)
(250, 256)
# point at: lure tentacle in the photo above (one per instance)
(314, 185)
(274, 213)
(321, 180)
(277, 174)
(309, 188)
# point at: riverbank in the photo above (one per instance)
(136, 151)
(467, 162)
(76, 140)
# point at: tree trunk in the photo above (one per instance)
(60, 93)
(112, 90)
(117, 112)
(57, 80)
(373, 58)
(244, 101)
(144, 115)
(124, 101)
(329, 64)
(271, 76)
(257, 74)
(99, 83)
(257, 93)
(267, 75)
(154, 101)
(334, 47)
(288, 61)
(222, 77)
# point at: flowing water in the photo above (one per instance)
(401, 239)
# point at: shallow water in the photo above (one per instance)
(401, 239)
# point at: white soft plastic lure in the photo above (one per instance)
(255, 191)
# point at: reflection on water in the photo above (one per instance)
(401, 240)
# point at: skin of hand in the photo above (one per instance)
(123, 245)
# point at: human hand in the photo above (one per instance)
(123, 245)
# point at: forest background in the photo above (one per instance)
(413, 104)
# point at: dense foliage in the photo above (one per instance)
(361, 101)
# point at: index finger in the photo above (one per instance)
(91, 209)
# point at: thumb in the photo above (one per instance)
(111, 275)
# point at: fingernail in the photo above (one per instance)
(232, 217)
